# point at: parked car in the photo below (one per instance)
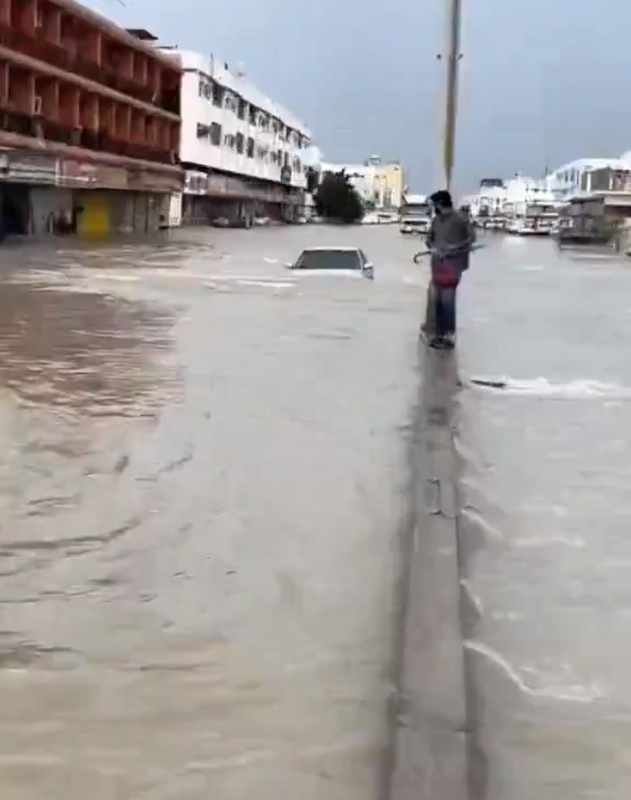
(346, 260)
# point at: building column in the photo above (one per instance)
(155, 79)
(4, 82)
(5, 12)
(22, 91)
(137, 127)
(52, 25)
(90, 113)
(92, 49)
(48, 90)
(69, 106)
(26, 16)
(107, 117)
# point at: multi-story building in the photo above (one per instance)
(570, 181)
(380, 185)
(389, 183)
(89, 122)
(241, 151)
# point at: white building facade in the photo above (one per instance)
(509, 197)
(241, 151)
(566, 182)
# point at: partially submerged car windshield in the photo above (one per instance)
(330, 259)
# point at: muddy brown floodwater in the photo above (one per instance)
(202, 479)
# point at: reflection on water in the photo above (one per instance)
(81, 350)
(200, 487)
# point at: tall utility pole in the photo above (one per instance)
(451, 111)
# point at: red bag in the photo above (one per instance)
(445, 273)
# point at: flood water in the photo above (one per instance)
(202, 479)
(545, 457)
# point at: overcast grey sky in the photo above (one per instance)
(543, 82)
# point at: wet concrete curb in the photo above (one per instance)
(429, 758)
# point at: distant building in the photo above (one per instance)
(389, 185)
(379, 184)
(565, 182)
(498, 197)
(361, 176)
(242, 152)
(89, 122)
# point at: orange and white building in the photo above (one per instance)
(89, 122)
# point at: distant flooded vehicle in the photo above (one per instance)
(345, 260)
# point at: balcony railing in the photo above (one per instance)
(56, 131)
(58, 56)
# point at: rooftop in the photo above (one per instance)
(142, 34)
(216, 68)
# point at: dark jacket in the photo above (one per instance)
(450, 238)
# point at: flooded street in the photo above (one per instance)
(546, 465)
(203, 479)
(205, 475)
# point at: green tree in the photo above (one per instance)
(336, 199)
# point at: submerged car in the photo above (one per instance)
(349, 260)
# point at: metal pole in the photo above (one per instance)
(451, 111)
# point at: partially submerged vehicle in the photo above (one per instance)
(341, 260)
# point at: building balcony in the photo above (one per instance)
(59, 132)
(39, 47)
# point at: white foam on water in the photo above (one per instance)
(267, 284)
(572, 542)
(579, 389)
(562, 686)
(122, 278)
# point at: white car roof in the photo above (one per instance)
(325, 249)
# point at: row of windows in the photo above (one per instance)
(245, 146)
(226, 99)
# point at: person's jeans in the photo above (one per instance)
(445, 310)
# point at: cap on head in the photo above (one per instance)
(442, 199)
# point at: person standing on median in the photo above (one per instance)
(450, 240)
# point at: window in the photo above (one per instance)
(202, 84)
(217, 94)
(252, 115)
(242, 108)
(229, 140)
(240, 143)
(215, 133)
(203, 131)
(264, 122)
(250, 147)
